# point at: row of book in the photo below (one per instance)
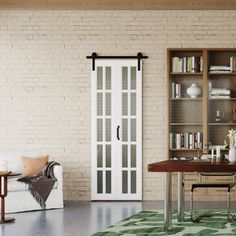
(187, 64)
(175, 90)
(185, 140)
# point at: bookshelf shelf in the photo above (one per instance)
(220, 124)
(185, 149)
(186, 99)
(214, 73)
(183, 124)
(222, 99)
(185, 73)
(188, 116)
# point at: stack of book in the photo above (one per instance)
(176, 90)
(233, 63)
(187, 64)
(185, 140)
(220, 69)
(219, 93)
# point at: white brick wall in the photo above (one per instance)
(45, 79)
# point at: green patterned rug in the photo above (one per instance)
(150, 223)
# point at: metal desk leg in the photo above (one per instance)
(180, 196)
(168, 203)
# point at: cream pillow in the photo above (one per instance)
(32, 166)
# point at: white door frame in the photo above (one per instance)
(116, 94)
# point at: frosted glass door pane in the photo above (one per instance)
(108, 130)
(124, 78)
(124, 155)
(133, 130)
(99, 130)
(108, 181)
(124, 181)
(99, 78)
(124, 104)
(133, 181)
(108, 104)
(99, 156)
(125, 130)
(133, 104)
(99, 104)
(99, 182)
(133, 155)
(108, 155)
(108, 77)
(133, 78)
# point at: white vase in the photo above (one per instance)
(232, 154)
(193, 91)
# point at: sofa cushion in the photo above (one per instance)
(14, 185)
(32, 166)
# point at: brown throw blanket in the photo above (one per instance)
(41, 184)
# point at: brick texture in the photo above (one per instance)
(45, 84)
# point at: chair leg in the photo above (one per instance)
(191, 205)
(228, 205)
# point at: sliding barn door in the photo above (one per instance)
(116, 130)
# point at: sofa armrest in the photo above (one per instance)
(57, 170)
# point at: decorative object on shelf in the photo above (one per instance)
(232, 151)
(219, 116)
(233, 115)
(218, 158)
(193, 91)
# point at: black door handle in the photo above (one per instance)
(118, 132)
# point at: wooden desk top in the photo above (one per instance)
(191, 166)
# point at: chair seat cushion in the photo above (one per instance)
(214, 184)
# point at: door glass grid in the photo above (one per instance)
(129, 136)
(104, 130)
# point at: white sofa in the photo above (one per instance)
(19, 198)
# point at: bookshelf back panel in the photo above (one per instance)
(189, 154)
(186, 53)
(220, 57)
(223, 106)
(186, 112)
(185, 128)
(217, 134)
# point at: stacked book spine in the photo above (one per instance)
(187, 64)
(219, 93)
(220, 69)
(233, 63)
(175, 90)
(185, 140)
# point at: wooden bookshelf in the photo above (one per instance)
(191, 115)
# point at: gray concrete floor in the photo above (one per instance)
(81, 218)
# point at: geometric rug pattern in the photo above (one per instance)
(150, 223)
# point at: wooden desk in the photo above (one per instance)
(182, 166)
